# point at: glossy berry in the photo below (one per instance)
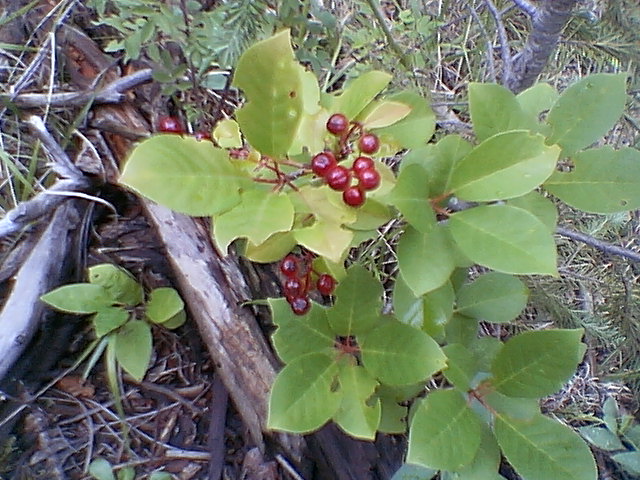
(169, 124)
(300, 305)
(202, 135)
(369, 179)
(338, 178)
(353, 196)
(322, 162)
(292, 287)
(369, 143)
(337, 124)
(326, 284)
(289, 266)
(362, 163)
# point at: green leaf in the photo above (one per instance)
(370, 216)
(630, 461)
(540, 206)
(126, 473)
(269, 213)
(411, 197)
(164, 303)
(78, 298)
(505, 238)
(297, 336)
(325, 204)
(485, 464)
(392, 416)
(537, 363)
(445, 432)
(610, 414)
(272, 249)
(389, 353)
(303, 396)
(271, 79)
(108, 319)
(160, 476)
(493, 297)
(358, 303)
(494, 109)
(359, 93)
(542, 449)
(506, 165)
(536, 99)
(461, 329)
(601, 438)
(120, 284)
(603, 180)
(413, 130)
(133, 345)
(425, 259)
(227, 134)
(325, 239)
(100, 469)
(176, 321)
(586, 111)
(439, 160)
(383, 113)
(518, 408)
(485, 350)
(461, 366)
(184, 174)
(356, 415)
(414, 472)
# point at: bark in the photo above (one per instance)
(549, 18)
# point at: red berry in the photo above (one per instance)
(369, 143)
(169, 125)
(353, 196)
(326, 283)
(361, 163)
(289, 265)
(322, 162)
(369, 179)
(292, 287)
(338, 178)
(337, 123)
(300, 305)
(202, 135)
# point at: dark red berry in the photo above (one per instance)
(362, 163)
(169, 124)
(325, 284)
(202, 135)
(369, 179)
(353, 196)
(292, 287)
(337, 124)
(322, 162)
(289, 265)
(369, 143)
(338, 178)
(300, 305)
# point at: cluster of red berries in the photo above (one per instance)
(297, 283)
(338, 177)
(168, 124)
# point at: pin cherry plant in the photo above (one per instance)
(298, 177)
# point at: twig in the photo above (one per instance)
(112, 93)
(288, 468)
(387, 33)
(490, 62)
(599, 244)
(504, 41)
(62, 165)
(527, 7)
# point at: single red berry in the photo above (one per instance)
(325, 284)
(337, 123)
(292, 287)
(289, 265)
(169, 124)
(202, 135)
(353, 196)
(362, 163)
(369, 179)
(338, 178)
(300, 305)
(322, 162)
(369, 143)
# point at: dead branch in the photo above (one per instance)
(599, 244)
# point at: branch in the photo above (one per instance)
(527, 7)
(548, 20)
(504, 40)
(490, 62)
(62, 165)
(599, 244)
(112, 93)
(387, 33)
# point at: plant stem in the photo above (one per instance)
(387, 33)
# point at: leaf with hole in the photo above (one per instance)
(120, 284)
